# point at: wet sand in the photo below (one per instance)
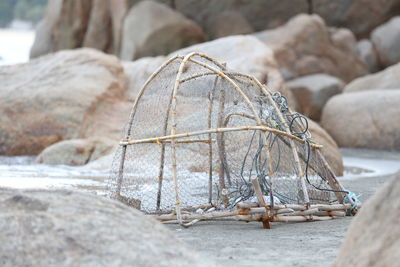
(290, 244)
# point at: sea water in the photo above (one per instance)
(15, 46)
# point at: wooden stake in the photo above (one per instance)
(210, 146)
(173, 132)
(261, 201)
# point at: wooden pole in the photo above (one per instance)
(286, 127)
(132, 116)
(261, 202)
(215, 130)
(224, 170)
(210, 146)
(162, 156)
(173, 132)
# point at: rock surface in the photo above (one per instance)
(313, 91)
(62, 228)
(360, 16)
(260, 14)
(330, 149)
(228, 23)
(386, 39)
(75, 151)
(385, 79)
(364, 119)
(305, 46)
(368, 53)
(152, 29)
(72, 24)
(373, 238)
(57, 97)
(244, 54)
(139, 71)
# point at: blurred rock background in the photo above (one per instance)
(336, 61)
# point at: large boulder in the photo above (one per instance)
(386, 39)
(373, 238)
(62, 228)
(228, 23)
(364, 119)
(139, 71)
(244, 54)
(360, 16)
(305, 46)
(57, 97)
(152, 29)
(76, 151)
(313, 91)
(72, 24)
(330, 149)
(368, 53)
(260, 14)
(385, 79)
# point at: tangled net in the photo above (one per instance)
(200, 134)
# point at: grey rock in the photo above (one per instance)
(227, 23)
(386, 39)
(66, 95)
(385, 79)
(313, 91)
(64, 228)
(244, 54)
(373, 238)
(364, 119)
(76, 151)
(368, 53)
(305, 45)
(360, 16)
(152, 29)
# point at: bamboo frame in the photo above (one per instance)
(282, 213)
(262, 212)
(132, 115)
(215, 130)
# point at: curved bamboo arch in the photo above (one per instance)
(132, 116)
(268, 94)
(173, 118)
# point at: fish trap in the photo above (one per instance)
(206, 143)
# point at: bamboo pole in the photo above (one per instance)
(311, 211)
(194, 216)
(259, 217)
(332, 181)
(321, 207)
(162, 156)
(261, 202)
(210, 146)
(215, 130)
(132, 116)
(173, 131)
(224, 168)
(333, 213)
(301, 218)
(286, 127)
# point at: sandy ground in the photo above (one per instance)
(235, 243)
(290, 244)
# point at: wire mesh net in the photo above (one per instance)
(198, 134)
